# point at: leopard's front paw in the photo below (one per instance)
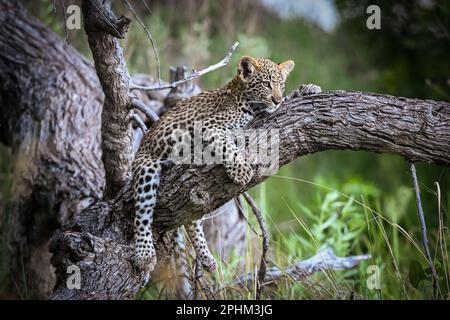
(240, 173)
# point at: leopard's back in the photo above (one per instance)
(211, 109)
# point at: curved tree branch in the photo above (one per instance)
(416, 129)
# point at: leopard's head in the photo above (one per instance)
(262, 81)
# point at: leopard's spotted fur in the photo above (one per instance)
(258, 86)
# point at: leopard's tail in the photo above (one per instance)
(183, 289)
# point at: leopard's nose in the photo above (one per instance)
(276, 101)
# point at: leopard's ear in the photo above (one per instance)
(246, 67)
(286, 67)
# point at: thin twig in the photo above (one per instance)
(242, 213)
(152, 41)
(193, 75)
(240, 206)
(138, 104)
(65, 20)
(423, 227)
(148, 7)
(139, 121)
(265, 243)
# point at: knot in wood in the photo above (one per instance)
(199, 197)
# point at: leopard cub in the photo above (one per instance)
(258, 87)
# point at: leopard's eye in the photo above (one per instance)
(267, 84)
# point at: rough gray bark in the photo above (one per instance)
(50, 102)
(50, 115)
(55, 137)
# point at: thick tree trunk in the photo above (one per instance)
(416, 129)
(50, 103)
(50, 115)
(51, 111)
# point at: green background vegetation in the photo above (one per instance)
(353, 202)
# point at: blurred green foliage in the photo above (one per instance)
(354, 202)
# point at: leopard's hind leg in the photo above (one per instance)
(197, 237)
(146, 175)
